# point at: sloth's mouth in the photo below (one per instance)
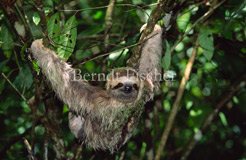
(126, 97)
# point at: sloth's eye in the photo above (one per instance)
(135, 86)
(118, 86)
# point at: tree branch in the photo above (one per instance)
(176, 103)
(14, 87)
(108, 21)
(29, 150)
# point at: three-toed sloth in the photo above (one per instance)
(104, 118)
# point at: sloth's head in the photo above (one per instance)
(123, 84)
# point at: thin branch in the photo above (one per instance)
(14, 87)
(46, 144)
(102, 7)
(122, 155)
(108, 21)
(98, 36)
(29, 150)
(176, 103)
(100, 55)
(233, 89)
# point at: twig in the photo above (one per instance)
(13, 86)
(108, 21)
(233, 89)
(102, 7)
(100, 55)
(46, 143)
(17, 61)
(122, 155)
(29, 150)
(176, 103)
(98, 36)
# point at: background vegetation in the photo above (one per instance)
(200, 115)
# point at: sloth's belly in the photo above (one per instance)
(109, 131)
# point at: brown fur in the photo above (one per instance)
(98, 117)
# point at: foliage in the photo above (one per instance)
(76, 30)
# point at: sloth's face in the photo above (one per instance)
(126, 92)
(125, 86)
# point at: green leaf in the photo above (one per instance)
(25, 107)
(223, 118)
(39, 130)
(143, 150)
(24, 79)
(36, 18)
(54, 28)
(98, 15)
(65, 108)
(208, 54)
(68, 38)
(166, 105)
(90, 66)
(179, 47)
(183, 20)
(36, 67)
(195, 113)
(206, 41)
(116, 54)
(166, 62)
(7, 41)
(196, 91)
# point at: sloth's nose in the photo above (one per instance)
(128, 88)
